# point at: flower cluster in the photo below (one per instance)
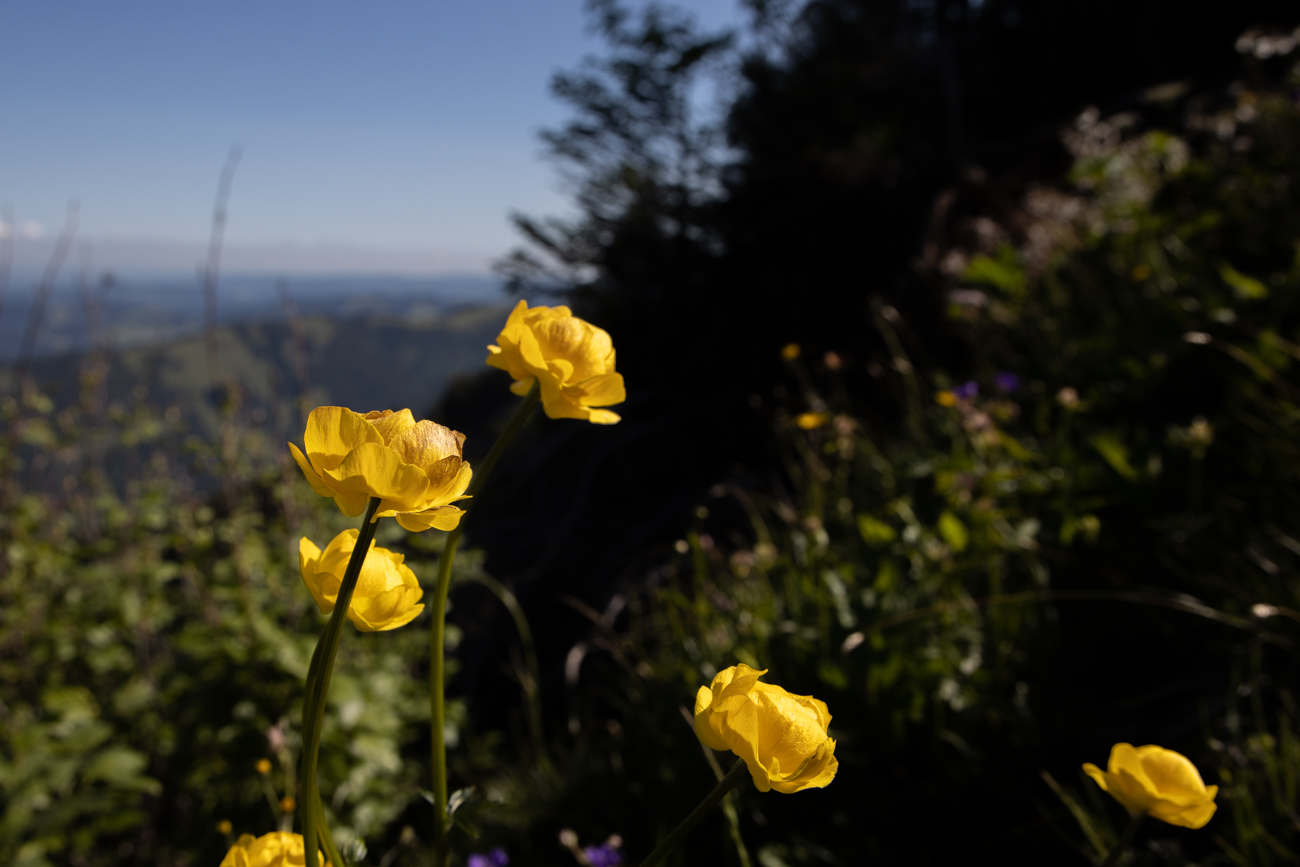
(604, 855)
(496, 858)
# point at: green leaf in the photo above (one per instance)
(831, 674)
(1115, 453)
(1245, 287)
(121, 767)
(1002, 273)
(874, 532)
(953, 531)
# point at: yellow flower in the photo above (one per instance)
(781, 737)
(572, 359)
(415, 468)
(1159, 782)
(812, 420)
(264, 766)
(945, 398)
(387, 591)
(277, 849)
(790, 351)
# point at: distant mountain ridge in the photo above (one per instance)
(362, 362)
(155, 311)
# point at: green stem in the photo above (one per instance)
(327, 841)
(1124, 840)
(499, 447)
(728, 806)
(308, 802)
(532, 687)
(437, 629)
(737, 773)
(733, 822)
(318, 687)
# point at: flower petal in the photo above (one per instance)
(448, 480)
(323, 587)
(441, 518)
(603, 416)
(1172, 774)
(1185, 816)
(308, 553)
(388, 610)
(603, 390)
(377, 471)
(313, 478)
(334, 431)
(707, 736)
(391, 425)
(427, 443)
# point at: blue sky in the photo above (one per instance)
(381, 136)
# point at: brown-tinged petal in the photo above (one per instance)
(426, 443)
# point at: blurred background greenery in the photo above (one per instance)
(960, 350)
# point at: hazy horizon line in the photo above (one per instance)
(162, 258)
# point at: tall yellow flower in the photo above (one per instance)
(415, 468)
(387, 590)
(1159, 782)
(277, 849)
(572, 359)
(781, 737)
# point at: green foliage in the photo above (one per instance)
(913, 562)
(156, 641)
(911, 570)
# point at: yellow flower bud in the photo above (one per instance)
(288, 804)
(415, 468)
(387, 591)
(277, 849)
(1159, 782)
(791, 351)
(572, 359)
(263, 766)
(812, 420)
(781, 737)
(224, 827)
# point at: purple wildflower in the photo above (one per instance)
(603, 855)
(1008, 382)
(496, 858)
(966, 390)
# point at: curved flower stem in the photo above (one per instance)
(728, 803)
(437, 629)
(318, 687)
(531, 680)
(332, 855)
(1124, 840)
(737, 773)
(499, 447)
